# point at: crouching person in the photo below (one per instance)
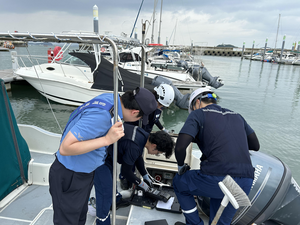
(130, 151)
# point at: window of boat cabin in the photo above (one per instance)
(127, 57)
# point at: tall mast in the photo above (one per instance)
(160, 22)
(277, 33)
(152, 36)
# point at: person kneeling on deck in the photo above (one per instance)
(130, 151)
(224, 138)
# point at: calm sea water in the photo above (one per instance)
(267, 95)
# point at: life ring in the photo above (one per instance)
(102, 49)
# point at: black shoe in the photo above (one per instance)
(121, 204)
(179, 223)
(124, 184)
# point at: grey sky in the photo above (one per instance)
(203, 22)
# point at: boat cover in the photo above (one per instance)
(103, 76)
(14, 154)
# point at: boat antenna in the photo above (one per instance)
(30, 58)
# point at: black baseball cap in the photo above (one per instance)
(147, 102)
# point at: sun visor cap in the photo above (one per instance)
(147, 102)
(196, 93)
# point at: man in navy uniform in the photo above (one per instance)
(130, 151)
(224, 138)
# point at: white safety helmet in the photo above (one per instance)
(195, 94)
(165, 94)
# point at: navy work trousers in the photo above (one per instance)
(194, 183)
(70, 193)
(103, 183)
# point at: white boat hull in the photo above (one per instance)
(69, 90)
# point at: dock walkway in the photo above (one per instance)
(8, 76)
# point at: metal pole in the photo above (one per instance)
(135, 34)
(277, 32)
(252, 50)
(115, 146)
(243, 50)
(143, 55)
(283, 42)
(293, 46)
(136, 18)
(160, 22)
(152, 36)
(263, 58)
(95, 15)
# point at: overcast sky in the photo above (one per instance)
(208, 23)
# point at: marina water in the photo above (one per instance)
(266, 95)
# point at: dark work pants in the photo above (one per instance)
(70, 193)
(103, 182)
(194, 183)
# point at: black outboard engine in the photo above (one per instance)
(182, 63)
(181, 101)
(215, 82)
(275, 195)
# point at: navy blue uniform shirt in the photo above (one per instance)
(221, 135)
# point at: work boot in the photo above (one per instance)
(121, 204)
(124, 184)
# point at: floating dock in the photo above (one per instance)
(8, 76)
(4, 49)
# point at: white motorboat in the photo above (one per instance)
(183, 74)
(287, 58)
(83, 75)
(70, 80)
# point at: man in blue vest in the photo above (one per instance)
(224, 138)
(89, 131)
(130, 150)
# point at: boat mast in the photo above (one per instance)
(136, 18)
(152, 36)
(277, 33)
(160, 22)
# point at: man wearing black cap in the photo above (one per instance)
(89, 131)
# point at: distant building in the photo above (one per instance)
(226, 46)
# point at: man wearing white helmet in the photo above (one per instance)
(224, 138)
(164, 95)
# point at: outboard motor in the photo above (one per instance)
(275, 195)
(196, 73)
(215, 82)
(182, 63)
(181, 101)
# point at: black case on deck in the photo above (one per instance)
(148, 202)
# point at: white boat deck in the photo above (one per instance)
(31, 203)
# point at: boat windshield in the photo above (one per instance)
(75, 61)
